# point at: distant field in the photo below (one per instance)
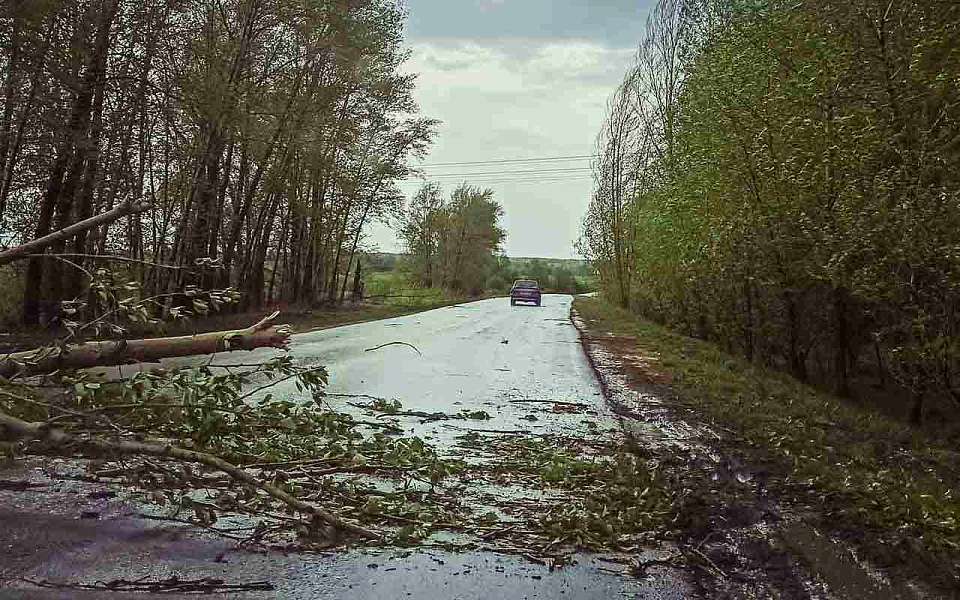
(394, 288)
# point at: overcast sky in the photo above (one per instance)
(520, 79)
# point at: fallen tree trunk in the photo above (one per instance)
(25, 250)
(12, 429)
(119, 352)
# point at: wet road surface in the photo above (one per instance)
(483, 355)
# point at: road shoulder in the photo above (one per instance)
(761, 502)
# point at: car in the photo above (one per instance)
(525, 290)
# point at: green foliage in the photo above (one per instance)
(854, 466)
(452, 244)
(613, 495)
(625, 499)
(210, 411)
(302, 115)
(553, 275)
(399, 288)
(793, 191)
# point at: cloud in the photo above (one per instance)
(489, 5)
(529, 63)
(519, 98)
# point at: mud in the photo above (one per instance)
(740, 540)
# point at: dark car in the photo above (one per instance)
(525, 290)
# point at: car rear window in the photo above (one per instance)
(525, 283)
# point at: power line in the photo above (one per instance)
(514, 180)
(510, 160)
(535, 171)
(501, 177)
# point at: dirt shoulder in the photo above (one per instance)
(780, 488)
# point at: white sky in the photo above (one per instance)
(519, 79)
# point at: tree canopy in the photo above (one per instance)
(782, 177)
(453, 242)
(267, 135)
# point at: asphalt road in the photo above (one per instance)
(483, 355)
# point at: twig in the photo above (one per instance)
(503, 431)
(210, 528)
(368, 396)
(434, 416)
(207, 585)
(377, 425)
(278, 381)
(492, 534)
(394, 344)
(66, 412)
(14, 428)
(352, 469)
(115, 258)
(22, 251)
(712, 564)
(561, 403)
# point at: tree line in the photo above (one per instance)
(265, 134)
(455, 244)
(452, 242)
(784, 178)
(554, 275)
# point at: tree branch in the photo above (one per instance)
(12, 428)
(119, 352)
(24, 250)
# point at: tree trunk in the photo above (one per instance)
(112, 353)
(916, 408)
(841, 343)
(11, 87)
(798, 363)
(357, 284)
(748, 328)
(73, 141)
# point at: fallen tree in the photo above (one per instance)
(118, 352)
(14, 429)
(190, 405)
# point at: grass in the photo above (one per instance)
(394, 288)
(11, 296)
(862, 472)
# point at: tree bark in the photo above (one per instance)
(58, 188)
(111, 353)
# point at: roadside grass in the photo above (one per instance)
(11, 293)
(394, 288)
(864, 474)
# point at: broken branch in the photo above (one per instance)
(12, 428)
(394, 344)
(24, 250)
(118, 352)
(560, 402)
